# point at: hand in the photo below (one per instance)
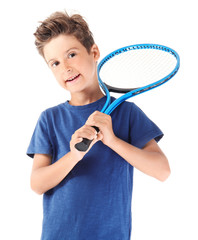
(84, 132)
(104, 123)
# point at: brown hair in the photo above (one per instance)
(61, 23)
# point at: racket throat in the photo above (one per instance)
(119, 90)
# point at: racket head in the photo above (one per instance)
(137, 68)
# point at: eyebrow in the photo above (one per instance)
(73, 48)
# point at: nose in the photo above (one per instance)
(67, 67)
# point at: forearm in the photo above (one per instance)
(47, 177)
(152, 163)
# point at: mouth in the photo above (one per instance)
(73, 78)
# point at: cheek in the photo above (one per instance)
(90, 68)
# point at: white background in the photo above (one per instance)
(161, 211)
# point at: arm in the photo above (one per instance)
(150, 160)
(45, 175)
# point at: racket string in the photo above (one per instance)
(137, 68)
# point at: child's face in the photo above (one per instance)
(73, 67)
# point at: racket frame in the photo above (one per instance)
(134, 91)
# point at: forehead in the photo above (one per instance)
(59, 45)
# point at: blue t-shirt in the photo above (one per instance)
(94, 200)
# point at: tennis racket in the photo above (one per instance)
(133, 70)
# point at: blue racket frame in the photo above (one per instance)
(108, 108)
(135, 91)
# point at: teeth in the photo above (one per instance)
(72, 78)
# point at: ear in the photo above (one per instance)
(95, 51)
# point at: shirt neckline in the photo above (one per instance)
(100, 101)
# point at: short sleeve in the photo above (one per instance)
(40, 142)
(142, 128)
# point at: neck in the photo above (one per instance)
(85, 98)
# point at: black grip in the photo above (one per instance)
(84, 145)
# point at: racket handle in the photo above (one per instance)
(84, 145)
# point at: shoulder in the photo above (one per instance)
(53, 113)
(125, 107)
(132, 108)
(54, 108)
(131, 112)
(129, 105)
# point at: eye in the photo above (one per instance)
(55, 64)
(71, 55)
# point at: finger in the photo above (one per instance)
(98, 120)
(86, 132)
(99, 136)
(78, 140)
(95, 140)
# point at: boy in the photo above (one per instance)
(87, 195)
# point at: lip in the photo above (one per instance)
(72, 79)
